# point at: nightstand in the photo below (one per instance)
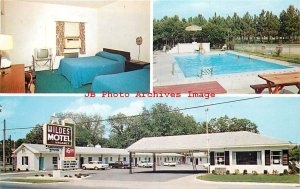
(131, 65)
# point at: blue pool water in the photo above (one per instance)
(222, 64)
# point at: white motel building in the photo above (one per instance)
(222, 151)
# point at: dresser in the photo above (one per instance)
(13, 81)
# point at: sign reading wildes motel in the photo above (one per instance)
(59, 135)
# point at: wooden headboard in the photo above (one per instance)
(123, 53)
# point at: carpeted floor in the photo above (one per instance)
(49, 82)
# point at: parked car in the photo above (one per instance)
(172, 164)
(119, 165)
(145, 164)
(95, 165)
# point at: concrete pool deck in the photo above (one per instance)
(164, 74)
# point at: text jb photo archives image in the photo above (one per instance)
(149, 94)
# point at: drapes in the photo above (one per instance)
(82, 37)
(60, 34)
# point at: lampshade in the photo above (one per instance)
(6, 42)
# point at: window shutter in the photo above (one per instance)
(267, 157)
(227, 158)
(212, 158)
(285, 157)
(22, 160)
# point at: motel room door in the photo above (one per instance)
(81, 161)
(41, 163)
(106, 160)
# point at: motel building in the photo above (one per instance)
(36, 157)
(230, 151)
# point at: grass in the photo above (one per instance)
(282, 57)
(251, 178)
(35, 181)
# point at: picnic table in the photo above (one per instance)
(279, 81)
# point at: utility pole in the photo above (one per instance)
(208, 150)
(4, 133)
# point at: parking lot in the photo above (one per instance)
(163, 174)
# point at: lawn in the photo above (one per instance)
(283, 57)
(251, 178)
(32, 180)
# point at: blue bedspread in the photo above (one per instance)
(131, 82)
(81, 71)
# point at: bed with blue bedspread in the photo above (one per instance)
(81, 71)
(130, 82)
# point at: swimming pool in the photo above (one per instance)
(225, 63)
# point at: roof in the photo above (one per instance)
(40, 148)
(199, 142)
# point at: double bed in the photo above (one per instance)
(81, 71)
(130, 82)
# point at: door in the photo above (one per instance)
(41, 163)
(81, 162)
(106, 160)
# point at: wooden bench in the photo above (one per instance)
(260, 87)
(207, 87)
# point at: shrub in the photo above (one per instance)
(237, 171)
(275, 172)
(281, 174)
(50, 175)
(278, 50)
(27, 170)
(227, 172)
(36, 175)
(70, 176)
(78, 176)
(213, 172)
(245, 172)
(10, 169)
(42, 175)
(293, 168)
(266, 172)
(285, 172)
(254, 173)
(66, 176)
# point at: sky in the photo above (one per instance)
(191, 8)
(275, 116)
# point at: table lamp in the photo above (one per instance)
(6, 43)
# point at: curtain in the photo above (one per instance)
(60, 34)
(82, 37)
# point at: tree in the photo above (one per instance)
(294, 153)
(35, 136)
(89, 128)
(226, 124)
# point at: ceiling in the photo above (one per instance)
(79, 3)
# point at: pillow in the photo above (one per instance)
(111, 56)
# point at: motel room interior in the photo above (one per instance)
(56, 46)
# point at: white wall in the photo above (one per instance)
(258, 168)
(33, 26)
(33, 162)
(121, 22)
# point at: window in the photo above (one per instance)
(149, 159)
(220, 157)
(24, 160)
(139, 158)
(165, 159)
(99, 158)
(90, 159)
(110, 159)
(276, 157)
(124, 158)
(54, 160)
(246, 158)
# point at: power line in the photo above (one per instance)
(155, 113)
